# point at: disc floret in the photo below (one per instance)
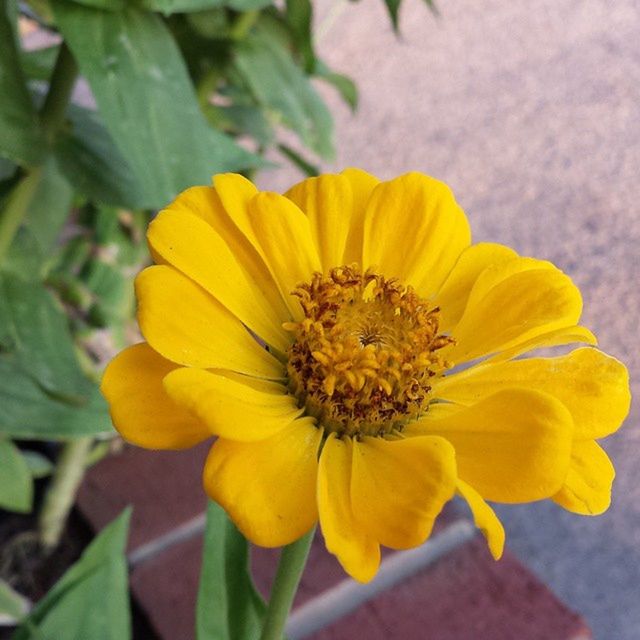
(365, 352)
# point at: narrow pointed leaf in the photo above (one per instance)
(91, 600)
(229, 607)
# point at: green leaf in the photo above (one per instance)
(39, 465)
(345, 86)
(180, 6)
(38, 63)
(33, 328)
(13, 606)
(91, 600)
(92, 163)
(16, 483)
(229, 607)
(28, 412)
(31, 251)
(281, 87)
(247, 5)
(305, 166)
(299, 15)
(110, 5)
(393, 6)
(20, 135)
(144, 94)
(7, 169)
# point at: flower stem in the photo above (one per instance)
(62, 491)
(285, 584)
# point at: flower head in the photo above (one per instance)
(357, 358)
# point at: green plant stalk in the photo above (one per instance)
(61, 493)
(285, 584)
(243, 24)
(15, 209)
(63, 79)
(52, 114)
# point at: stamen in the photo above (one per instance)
(365, 351)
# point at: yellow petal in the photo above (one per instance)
(399, 487)
(357, 551)
(362, 185)
(485, 519)
(328, 202)
(191, 245)
(592, 385)
(587, 488)
(231, 409)
(268, 488)
(556, 338)
(454, 293)
(286, 242)
(524, 305)
(414, 230)
(199, 201)
(512, 446)
(235, 193)
(206, 203)
(186, 325)
(140, 409)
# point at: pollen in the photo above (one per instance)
(365, 353)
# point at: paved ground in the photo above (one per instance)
(531, 112)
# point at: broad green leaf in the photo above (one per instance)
(299, 15)
(50, 207)
(229, 607)
(16, 483)
(13, 606)
(91, 600)
(93, 164)
(34, 330)
(345, 86)
(39, 465)
(20, 136)
(244, 119)
(180, 6)
(146, 99)
(28, 412)
(281, 87)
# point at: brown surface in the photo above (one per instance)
(164, 487)
(167, 589)
(465, 596)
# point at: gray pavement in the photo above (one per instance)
(531, 112)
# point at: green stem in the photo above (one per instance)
(285, 584)
(15, 209)
(61, 494)
(63, 79)
(52, 114)
(243, 24)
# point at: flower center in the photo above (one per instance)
(365, 351)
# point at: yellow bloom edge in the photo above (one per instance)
(331, 414)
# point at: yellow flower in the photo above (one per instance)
(316, 335)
